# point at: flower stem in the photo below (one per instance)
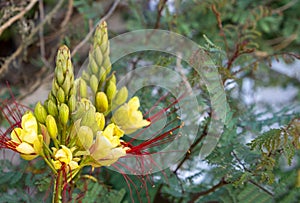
(57, 193)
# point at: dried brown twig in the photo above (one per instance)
(29, 40)
(18, 16)
(89, 35)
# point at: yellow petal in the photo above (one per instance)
(28, 157)
(16, 135)
(25, 148)
(30, 136)
(29, 122)
(134, 103)
(73, 165)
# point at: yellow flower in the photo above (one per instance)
(64, 155)
(107, 148)
(30, 142)
(104, 152)
(129, 118)
(113, 134)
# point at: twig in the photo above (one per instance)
(160, 7)
(219, 20)
(68, 14)
(284, 7)
(88, 36)
(18, 16)
(212, 189)
(187, 155)
(262, 188)
(29, 39)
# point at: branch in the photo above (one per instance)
(88, 36)
(187, 154)
(18, 16)
(28, 40)
(160, 7)
(206, 192)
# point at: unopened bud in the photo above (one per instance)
(121, 96)
(102, 74)
(72, 103)
(60, 95)
(107, 64)
(85, 75)
(98, 56)
(88, 118)
(93, 65)
(67, 83)
(45, 134)
(59, 75)
(82, 88)
(52, 108)
(111, 90)
(64, 114)
(51, 126)
(101, 102)
(94, 83)
(40, 112)
(100, 119)
(85, 137)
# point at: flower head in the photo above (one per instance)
(64, 156)
(129, 118)
(107, 148)
(29, 142)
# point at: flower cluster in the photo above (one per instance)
(83, 122)
(76, 127)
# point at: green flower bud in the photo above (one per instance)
(52, 108)
(85, 75)
(60, 95)
(64, 114)
(93, 65)
(67, 84)
(88, 118)
(111, 90)
(98, 56)
(45, 134)
(52, 97)
(107, 65)
(94, 83)
(121, 96)
(100, 119)
(40, 112)
(72, 103)
(85, 137)
(82, 88)
(63, 55)
(72, 91)
(101, 102)
(51, 126)
(102, 74)
(59, 75)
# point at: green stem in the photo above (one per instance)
(64, 135)
(57, 193)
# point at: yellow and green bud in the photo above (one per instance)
(101, 102)
(64, 114)
(72, 103)
(120, 97)
(111, 90)
(98, 56)
(52, 108)
(51, 126)
(60, 95)
(40, 112)
(82, 88)
(85, 137)
(94, 83)
(100, 119)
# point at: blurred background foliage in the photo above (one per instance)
(255, 45)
